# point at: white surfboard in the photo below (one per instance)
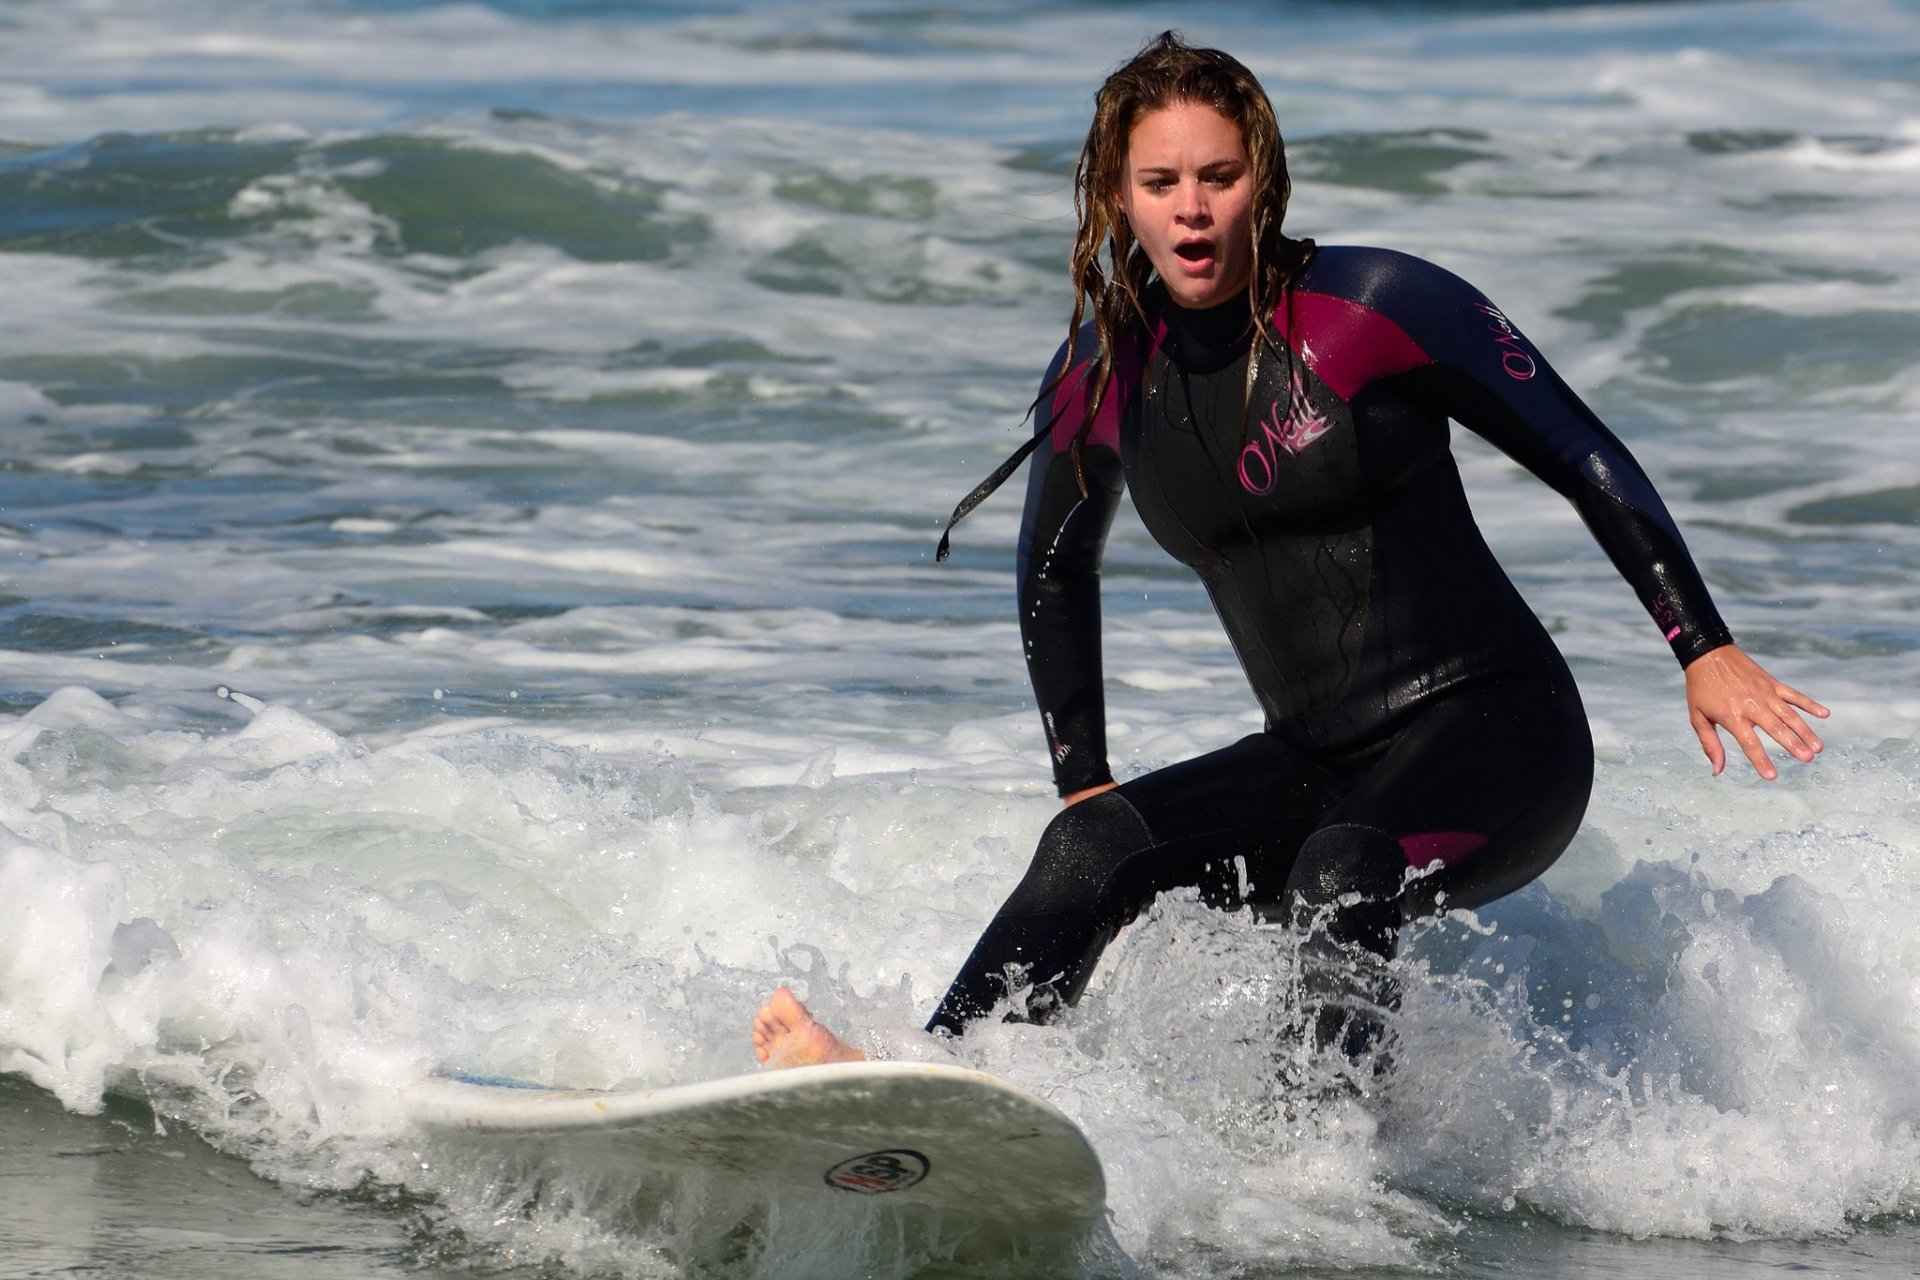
(907, 1133)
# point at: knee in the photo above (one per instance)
(1346, 882)
(1079, 855)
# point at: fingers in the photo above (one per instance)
(1787, 693)
(1788, 703)
(1791, 732)
(1710, 742)
(1756, 754)
(1792, 699)
(1781, 723)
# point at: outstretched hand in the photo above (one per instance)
(1728, 690)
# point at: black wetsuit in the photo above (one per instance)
(1417, 715)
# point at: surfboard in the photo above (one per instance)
(928, 1135)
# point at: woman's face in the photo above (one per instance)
(1187, 191)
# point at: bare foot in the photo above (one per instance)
(785, 1035)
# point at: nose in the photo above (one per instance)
(1192, 207)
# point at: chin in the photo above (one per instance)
(1199, 296)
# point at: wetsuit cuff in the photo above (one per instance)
(1698, 644)
(1082, 779)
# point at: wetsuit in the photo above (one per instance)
(1417, 715)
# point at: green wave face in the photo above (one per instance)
(160, 198)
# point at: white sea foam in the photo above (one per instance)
(268, 927)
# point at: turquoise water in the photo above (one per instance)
(468, 496)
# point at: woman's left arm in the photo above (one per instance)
(1495, 382)
(1728, 690)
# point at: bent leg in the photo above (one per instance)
(1486, 793)
(1226, 822)
(1058, 919)
(1479, 795)
(1344, 898)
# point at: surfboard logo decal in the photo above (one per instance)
(878, 1172)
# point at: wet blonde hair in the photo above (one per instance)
(1167, 71)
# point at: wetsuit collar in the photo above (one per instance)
(1208, 339)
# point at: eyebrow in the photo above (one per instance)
(1225, 162)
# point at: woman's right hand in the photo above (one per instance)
(1071, 800)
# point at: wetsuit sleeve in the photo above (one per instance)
(1062, 538)
(1491, 380)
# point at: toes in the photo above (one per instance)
(785, 1007)
(779, 1017)
(786, 1012)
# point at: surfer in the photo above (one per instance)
(1279, 412)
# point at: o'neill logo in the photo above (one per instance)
(879, 1172)
(1513, 352)
(1259, 461)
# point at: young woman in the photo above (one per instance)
(1280, 411)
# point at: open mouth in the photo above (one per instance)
(1195, 251)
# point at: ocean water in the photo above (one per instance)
(470, 477)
